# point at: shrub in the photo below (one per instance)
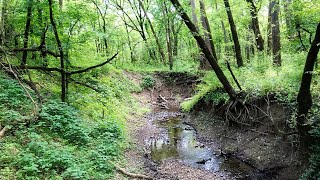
(148, 82)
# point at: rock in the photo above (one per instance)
(203, 161)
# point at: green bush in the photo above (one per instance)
(148, 82)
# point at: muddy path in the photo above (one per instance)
(168, 144)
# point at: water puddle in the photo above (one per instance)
(178, 140)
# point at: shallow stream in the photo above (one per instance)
(178, 140)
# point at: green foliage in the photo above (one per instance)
(59, 143)
(148, 82)
(64, 121)
(257, 79)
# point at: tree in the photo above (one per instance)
(255, 25)
(162, 56)
(304, 98)
(102, 13)
(275, 32)
(207, 33)
(234, 34)
(4, 21)
(168, 28)
(213, 62)
(27, 30)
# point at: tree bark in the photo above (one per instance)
(153, 32)
(26, 32)
(207, 34)
(255, 25)
(234, 34)
(275, 32)
(213, 62)
(63, 74)
(304, 98)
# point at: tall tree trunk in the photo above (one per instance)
(304, 96)
(194, 15)
(60, 4)
(63, 74)
(269, 33)
(213, 62)
(275, 31)
(234, 34)
(4, 19)
(202, 58)
(129, 44)
(26, 32)
(225, 38)
(255, 25)
(168, 34)
(289, 18)
(175, 37)
(207, 34)
(153, 31)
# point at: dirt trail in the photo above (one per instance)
(257, 155)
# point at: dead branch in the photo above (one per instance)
(132, 175)
(3, 131)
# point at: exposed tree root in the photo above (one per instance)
(132, 175)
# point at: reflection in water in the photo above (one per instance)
(178, 140)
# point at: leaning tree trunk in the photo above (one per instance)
(26, 32)
(275, 32)
(234, 34)
(213, 62)
(255, 25)
(207, 34)
(304, 96)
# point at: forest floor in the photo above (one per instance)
(242, 153)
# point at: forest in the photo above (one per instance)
(159, 89)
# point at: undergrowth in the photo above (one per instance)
(63, 141)
(257, 79)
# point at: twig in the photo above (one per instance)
(263, 133)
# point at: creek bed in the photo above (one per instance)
(178, 140)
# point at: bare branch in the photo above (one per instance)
(93, 67)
